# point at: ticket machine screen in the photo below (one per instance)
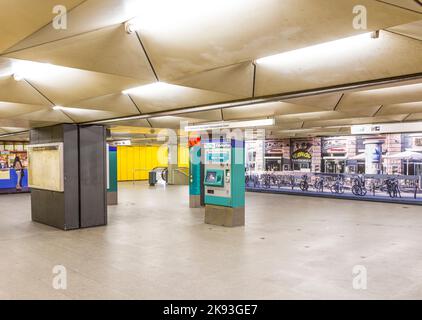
(211, 176)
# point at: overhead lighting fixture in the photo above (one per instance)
(345, 45)
(156, 87)
(18, 77)
(167, 16)
(131, 26)
(230, 125)
(6, 74)
(23, 69)
(57, 108)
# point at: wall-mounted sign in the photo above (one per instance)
(387, 128)
(121, 143)
(301, 150)
(273, 148)
(301, 155)
(330, 145)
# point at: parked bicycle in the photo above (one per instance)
(358, 187)
(393, 188)
(319, 184)
(338, 185)
(304, 184)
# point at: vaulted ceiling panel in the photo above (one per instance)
(322, 101)
(64, 85)
(8, 109)
(236, 80)
(88, 16)
(353, 121)
(265, 110)
(407, 4)
(383, 96)
(413, 29)
(366, 59)
(172, 122)
(118, 103)
(168, 96)
(19, 92)
(401, 108)
(21, 18)
(110, 50)
(85, 115)
(45, 115)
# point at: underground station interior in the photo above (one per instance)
(213, 150)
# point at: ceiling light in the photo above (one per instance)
(23, 69)
(17, 77)
(332, 48)
(6, 74)
(130, 27)
(166, 16)
(57, 108)
(230, 125)
(156, 87)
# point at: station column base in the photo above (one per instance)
(195, 201)
(112, 198)
(225, 216)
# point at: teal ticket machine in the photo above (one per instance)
(224, 182)
(194, 173)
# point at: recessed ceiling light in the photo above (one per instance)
(230, 125)
(17, 77)
(57, 108)
(155, 87)
(341, 46)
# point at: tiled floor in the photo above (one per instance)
(155, 247)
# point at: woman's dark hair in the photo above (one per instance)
(17, 159)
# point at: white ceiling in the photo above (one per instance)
(205, 51)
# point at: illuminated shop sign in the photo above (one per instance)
(301, 155)
(301, 150)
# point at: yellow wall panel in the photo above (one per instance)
(183, 156)
(134, 163)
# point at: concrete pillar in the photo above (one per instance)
(75, 158)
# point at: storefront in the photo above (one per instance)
(380, 167)
(8, 176)
(274, 155)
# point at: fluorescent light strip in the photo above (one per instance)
(319, 50)
(155, 87)
(230, 125)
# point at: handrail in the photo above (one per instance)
(182, 172)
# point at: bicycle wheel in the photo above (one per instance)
(355, 190)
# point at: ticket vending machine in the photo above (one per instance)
(224, 182)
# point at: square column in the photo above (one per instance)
(75, 158)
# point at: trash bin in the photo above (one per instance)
(152, 178)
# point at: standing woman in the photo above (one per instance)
(17, 165)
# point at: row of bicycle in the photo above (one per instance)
(358, 185)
